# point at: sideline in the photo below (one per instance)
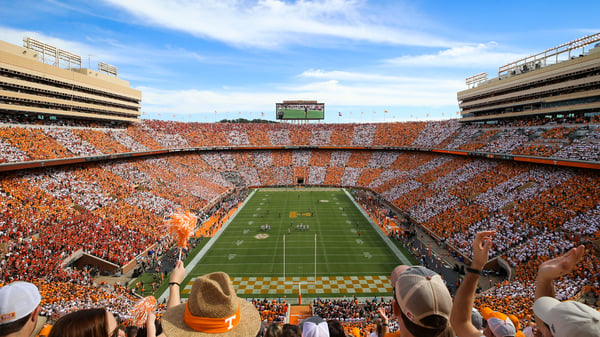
(192, 264)
(384, 237)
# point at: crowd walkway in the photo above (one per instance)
(299, 313)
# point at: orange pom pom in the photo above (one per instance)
(141, 309)
(181, 227)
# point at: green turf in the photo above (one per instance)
(330, 214)
(299, 114)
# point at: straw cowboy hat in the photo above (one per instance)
(212, 309)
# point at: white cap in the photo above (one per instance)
(566, 319)
(314, 327)
(421, 292)
(17, 300)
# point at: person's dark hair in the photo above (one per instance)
(12, 327)
(432, 320)
(131, 331)
(335, 328)
(81, 323)
(379, 328)
(291, 330)
(142, 332)
(273, 330)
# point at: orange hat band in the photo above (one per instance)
(211, 325)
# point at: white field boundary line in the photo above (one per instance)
(384, 237)
(192, 264)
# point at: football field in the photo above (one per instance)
(316, 239)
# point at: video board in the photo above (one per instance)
(300, 110)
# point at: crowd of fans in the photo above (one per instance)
(568, 141)
(114, 210)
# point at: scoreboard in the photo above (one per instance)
(300, 110)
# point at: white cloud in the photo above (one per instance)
(468, 56)
(16, 37)
(94, 50)
(271, 23)
(365, 77)
(332, 88)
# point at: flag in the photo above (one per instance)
(262, 114)
(340, 114)
(385, 111)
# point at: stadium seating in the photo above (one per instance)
(114, 209)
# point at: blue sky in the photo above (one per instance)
(206, 60)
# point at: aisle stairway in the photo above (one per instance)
(298, 313)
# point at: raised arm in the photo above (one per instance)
(552, 270)
(175, 280)
(385, 328)
(460, 317)
(555, 268)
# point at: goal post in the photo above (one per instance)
(315, 257)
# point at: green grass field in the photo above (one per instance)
(243, 250)
(299, 114)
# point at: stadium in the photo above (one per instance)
(302, 216)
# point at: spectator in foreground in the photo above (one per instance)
(422, 302)
(335, 328)
(495, 324)
(97, 322)
(19, 309)
(569, 318)
(213, 309)
(462, 311)
(562, 319)
(314, 327)
(291, 330)
(273, 330)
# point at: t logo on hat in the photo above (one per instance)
(229, 321)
